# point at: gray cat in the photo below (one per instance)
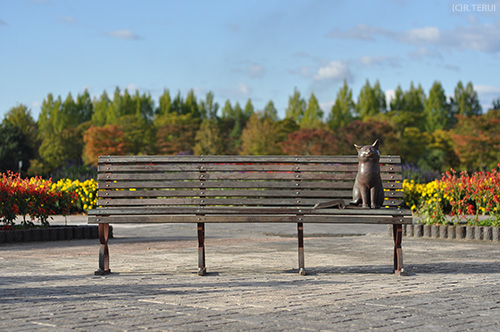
(368, 189)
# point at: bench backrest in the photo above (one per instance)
(264, 181)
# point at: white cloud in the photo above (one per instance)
(68, 19)
(335, 70)
(379, 61)
(422, 35)
(123, 34)
(474, 36)
(243, 89)
(255, 71)
(132, 87)
(361, 31)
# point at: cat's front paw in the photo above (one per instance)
(375, 206)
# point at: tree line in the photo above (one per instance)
(428, 130)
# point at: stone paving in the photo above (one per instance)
(252, 282)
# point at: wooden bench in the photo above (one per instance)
(241, 189)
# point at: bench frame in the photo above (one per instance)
(256, 189)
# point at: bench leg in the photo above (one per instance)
(398, 251)
(103, 250)
(202, 270)
(300, 236)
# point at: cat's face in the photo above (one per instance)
(368, 151)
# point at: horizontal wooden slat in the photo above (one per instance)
(248, 210)
(384, 159)
(172, 167)
(234, 193)
(249, 219)
(223, 201)
(229, 184)
(239, 176)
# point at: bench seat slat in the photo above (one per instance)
(245, 210)
(279, 176)
(326, 194)
(116, 219)
(229, 184)
(222, 201)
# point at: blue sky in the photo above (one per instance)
(254, 49)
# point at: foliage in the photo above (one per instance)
(260, 136)
(107, 140)
(34, 197)
(310, 142)
(477, 141)
(14, 147)
(342, 111)
(431, 131)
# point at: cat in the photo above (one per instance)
(368, 189)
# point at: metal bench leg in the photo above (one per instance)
(202, 270)
(398, 251)
(103, 250)
(300, 236)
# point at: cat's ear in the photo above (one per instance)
(376, 144)
(357, 146)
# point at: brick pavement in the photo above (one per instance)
(252, 282)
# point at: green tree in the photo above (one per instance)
(270, 111)
(209, 140)
(397, 103)
(313, 114)
(371, 101)
(260, 136)
(14, 147)
(436, 109)
(61, 139)
(103, 111)
(20, 117)
(165, 104)
(296, 107)
(465, 100)
(342, 110)
(209, 108)
(84, 107)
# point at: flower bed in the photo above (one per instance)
(455, 197)
(33, 197)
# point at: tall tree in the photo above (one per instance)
(165, 104)
(20, 117)
(436, 109)
(84, 107)
(260, 136)
(296, 107)
(313, 114)
(14, 148)
(477, 141)
(209, 140)
(343, 109)
(371, 101)
(209, 108)
(103, 111)
(270, 111)
(397, 103)
(465, 101)
(106, 140)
